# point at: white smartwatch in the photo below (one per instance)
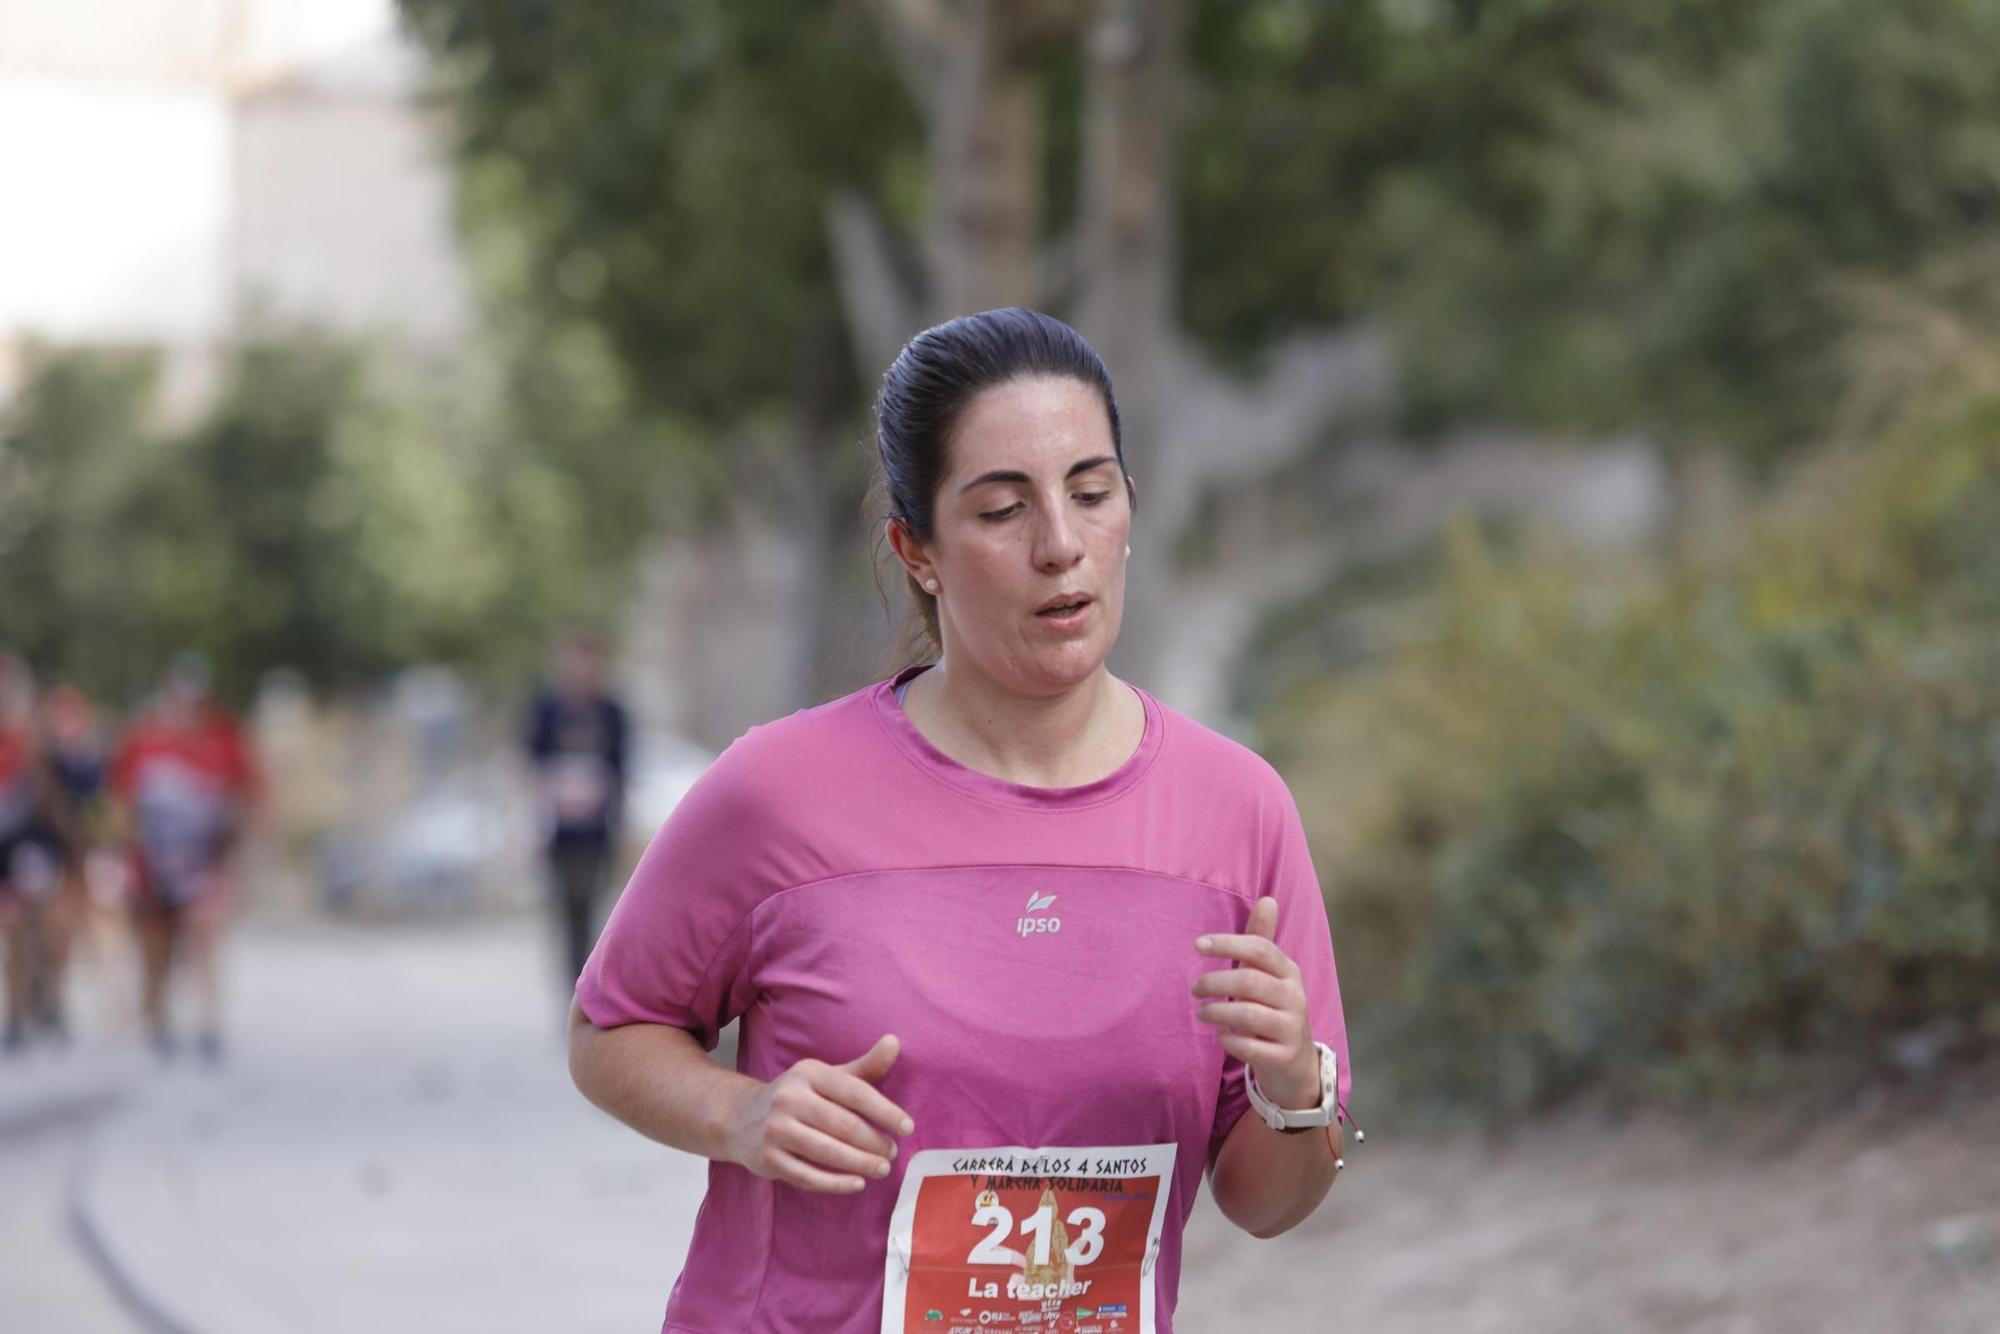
(1307, 1118)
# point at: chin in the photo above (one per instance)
(1072, 666)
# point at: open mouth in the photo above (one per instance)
(1059, 610)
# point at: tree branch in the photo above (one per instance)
(1061, 271)
(880, 285)
(920, 34)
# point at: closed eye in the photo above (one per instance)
(1086, 497)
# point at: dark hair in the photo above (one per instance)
(926, 390)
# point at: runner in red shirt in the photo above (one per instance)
(30, 869)
(185, 781)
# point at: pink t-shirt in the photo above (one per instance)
(834, 877)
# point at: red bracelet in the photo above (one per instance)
(1360, 1136)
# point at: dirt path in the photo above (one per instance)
(396, 1101)
(1652, 1227)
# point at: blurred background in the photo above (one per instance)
(1569, 435)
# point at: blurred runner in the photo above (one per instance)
(39, 831)
(576, 738)
(90, 904)
(30, 866)
(185, 780)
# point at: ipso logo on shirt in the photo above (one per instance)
(1032, 925)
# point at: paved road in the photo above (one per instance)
(393, 1144)
(48, 1283)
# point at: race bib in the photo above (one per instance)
(579, 788)
(1059, 1240)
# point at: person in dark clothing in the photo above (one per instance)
(29, 867)
(577, 743)
(51, 779)
(73, 765)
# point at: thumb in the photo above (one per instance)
(1264, 919)
(872, 1064)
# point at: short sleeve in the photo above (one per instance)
(537, 732)
(617, 737)
(1305, 936)
(676, 948)
(124, 764)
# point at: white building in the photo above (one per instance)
(169, 166)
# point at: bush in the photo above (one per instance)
(1670, 833)
(337, 509)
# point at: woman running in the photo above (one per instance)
(1013, 944)
(184, 778)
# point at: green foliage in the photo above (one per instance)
(1603, 214)
(662, 169)
(1668, 834)
(333, 512)
(1579, 213)
(74, 464)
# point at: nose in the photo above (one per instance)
(1057, 546)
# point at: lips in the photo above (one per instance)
(1063, 604)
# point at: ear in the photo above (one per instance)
(915, 559)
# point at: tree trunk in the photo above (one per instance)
(1127, 246)
(824, 520)
(986, 150)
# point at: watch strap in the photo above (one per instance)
(1292, 1119)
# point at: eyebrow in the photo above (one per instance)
(1004, 475)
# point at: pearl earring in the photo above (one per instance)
(1128, 548)
(930, 585)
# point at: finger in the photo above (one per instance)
(812, 1145)
(838, 1085)
(874, 1063)
(1264, 919)
(1254, 1051)
(1252, 984)
(1260, 1021)
(1255, 951)
(798, 1172)
(824, 1114)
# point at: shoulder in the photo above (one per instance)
(545, 710)
(139, 736)
(775, 808)
(1235, 816)
(1228, 769)
(222, 734)
(801, 751)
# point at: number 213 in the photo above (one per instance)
(1039, 1225)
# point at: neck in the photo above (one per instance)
(1063, 740)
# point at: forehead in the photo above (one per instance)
(1048, 420)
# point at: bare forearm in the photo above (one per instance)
(657, 1080)
(1268, 1183)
